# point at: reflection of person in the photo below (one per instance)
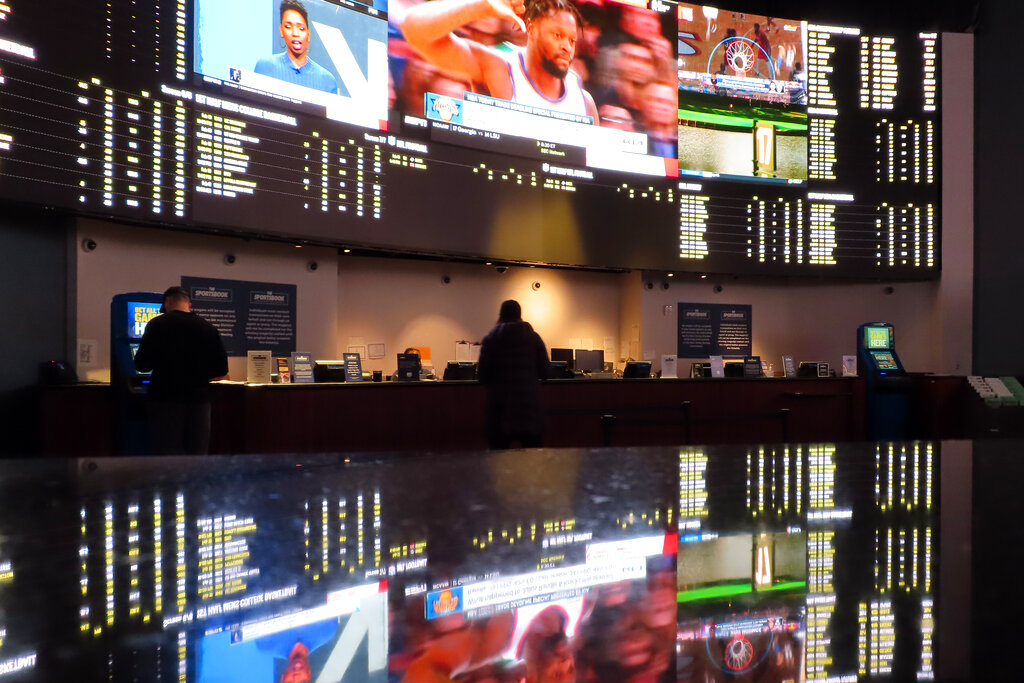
(298, 666)
(294, 64)
(549, 658)
(512, 360)
(538, 75)
(184, 352)
(452, 645)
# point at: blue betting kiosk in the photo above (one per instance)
(129, 314)
(887, 389)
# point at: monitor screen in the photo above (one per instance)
(563, 356)
(139, 314)
(588, 360)
(613, 107)
(636, 369)
(742, 95)
(333, 61)
(460, 370)
(878, 337)
(885, 360)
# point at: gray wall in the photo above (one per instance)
(999, 215)
(34, 281)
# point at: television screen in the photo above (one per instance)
(600, 94)
(331, 56)
(742, 95)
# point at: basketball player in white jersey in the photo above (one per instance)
(538, 75)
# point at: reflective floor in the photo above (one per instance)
(785, 563)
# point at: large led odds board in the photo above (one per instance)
(634, 135)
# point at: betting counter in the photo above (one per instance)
(393, 416)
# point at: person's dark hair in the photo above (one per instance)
(510, 312)
(177, 293)
(296, 6)
(542, 8)
(174, 293)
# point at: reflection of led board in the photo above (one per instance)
(223, 552)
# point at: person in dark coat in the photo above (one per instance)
(184, 352)
(513, 359)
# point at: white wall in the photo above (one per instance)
(134, 259)
(954, 343)
(405, 303)
(809, 321)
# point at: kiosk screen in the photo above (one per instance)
(885, 360)
(140, 313)
(877, 338)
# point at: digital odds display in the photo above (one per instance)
(650, 134)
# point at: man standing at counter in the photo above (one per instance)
(184, 352)
(513, 360)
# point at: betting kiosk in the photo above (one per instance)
(887, 387)
(129, 314)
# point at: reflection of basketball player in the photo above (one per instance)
(298, 666)
(538, 75)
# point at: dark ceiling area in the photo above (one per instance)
(938, 15)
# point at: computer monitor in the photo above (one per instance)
(328, 371)
(558, 369)
(589, 360)
(408, 367)
(562, 356)
(636, 368)
(459, 371)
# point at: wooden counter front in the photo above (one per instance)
(436, 416)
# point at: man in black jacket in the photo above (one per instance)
(513, 359)
(184, 352)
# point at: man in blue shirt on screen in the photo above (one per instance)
(294, 65)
